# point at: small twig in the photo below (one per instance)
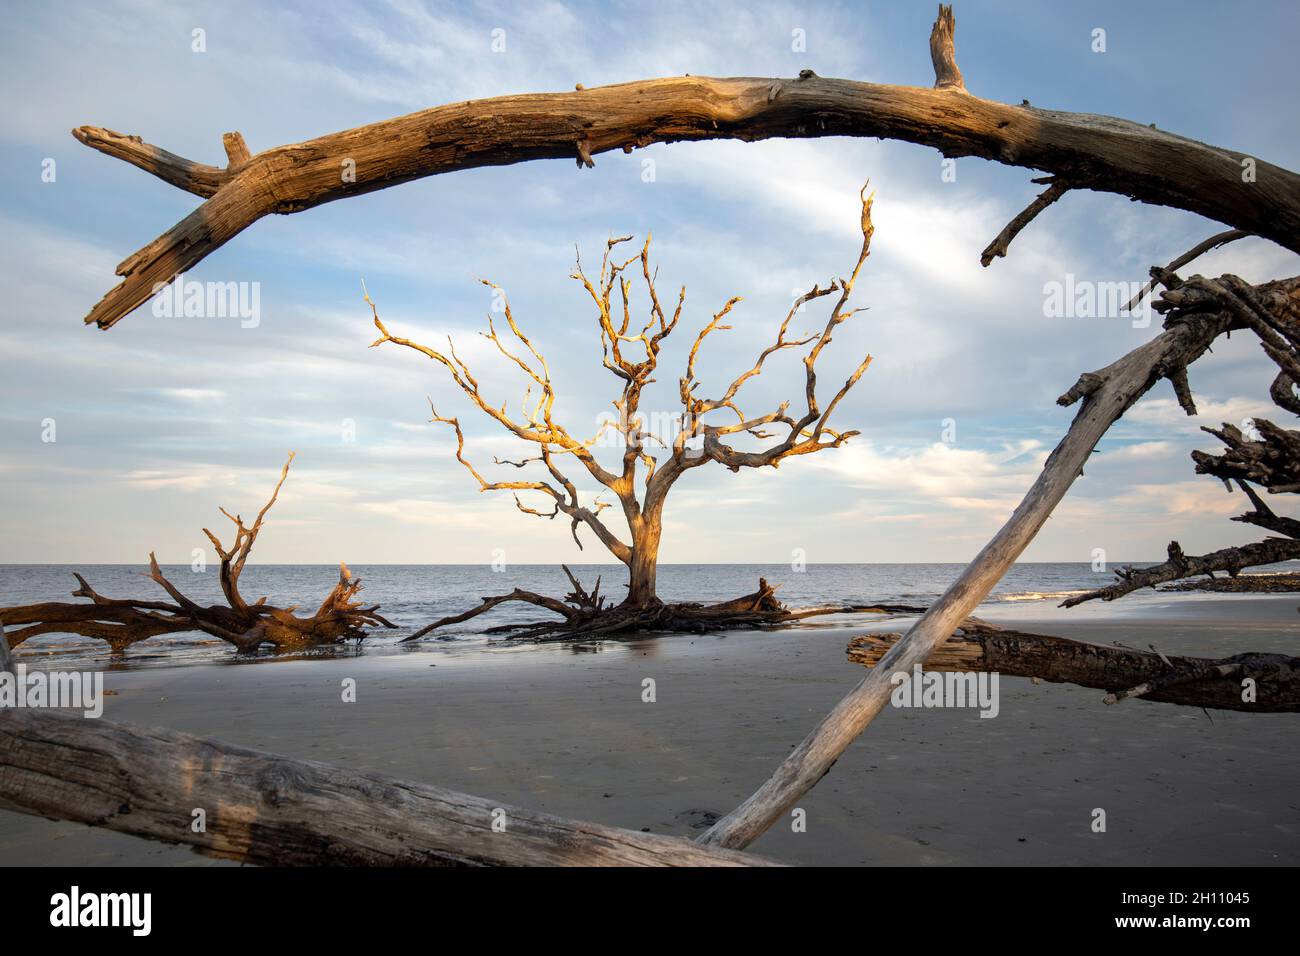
(1158, 274)
(998, 247)
(1147, 687)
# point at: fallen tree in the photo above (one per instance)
(1266, 456)
(271, 810)
(1078, 150)
(642, 479)
(1122, 671)
(586, 618)
(1256, 583)
(122, 622)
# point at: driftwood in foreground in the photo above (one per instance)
(1122, 671)
(1079, 150)
(122, 622)
(266, 809)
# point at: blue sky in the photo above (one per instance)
(162, 419)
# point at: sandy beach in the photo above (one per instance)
(565, 730)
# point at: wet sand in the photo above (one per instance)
(566, 731)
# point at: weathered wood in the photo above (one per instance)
(1106, 395)
(1161, 274)
(1180, 565)
(121, 622)
(266, 809)
(1190, 681)
(1090, 152)
(6, 659)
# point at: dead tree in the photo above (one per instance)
(1125, 673)
(1268, 457)
(122, 622)
(647, 471)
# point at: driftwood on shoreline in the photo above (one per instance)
(1242, 584)
(122, 622)
(271, 810)
(1259, 456)
(1122, 671)
(585, 617)
(1104, 396)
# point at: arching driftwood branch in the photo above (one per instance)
(1087, 151)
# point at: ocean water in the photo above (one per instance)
(412, 596)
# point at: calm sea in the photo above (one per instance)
(414, 595)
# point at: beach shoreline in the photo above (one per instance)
(566, 730)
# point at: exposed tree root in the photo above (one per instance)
(123, 622)
(586, 617)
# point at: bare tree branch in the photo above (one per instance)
(1093, 152)
(1002, 242)
(1179, 566)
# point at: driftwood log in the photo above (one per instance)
(1257, 583)
(1079, 150)
(121, 622)
(1122, 671)
(266, 809)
